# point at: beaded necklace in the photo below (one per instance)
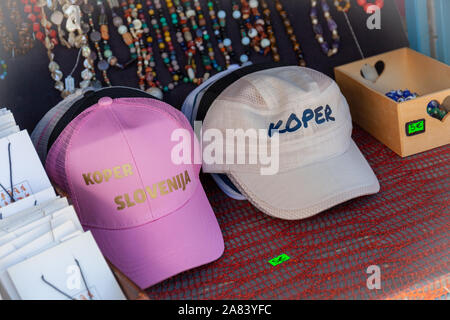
(190, 67)
(148, 57)
(23, 30)
(205, 33)
(218, 20)
(290, 32)
(33, 10)
(122, 29)
(104, 32)
(202, 36)
(318, 30)
(255, 28)
(96, 37)
(73, 23)
(53, 66)
(4, 69)
(245, 40)
(88, 74)
(175, 20)
(135, 25)
(164, 43)
(270, 32)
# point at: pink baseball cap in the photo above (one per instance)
(150, 217)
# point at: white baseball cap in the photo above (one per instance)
(320, 166)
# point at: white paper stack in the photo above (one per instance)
(44, 252)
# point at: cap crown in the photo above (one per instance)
(306, 107)
(114, 161)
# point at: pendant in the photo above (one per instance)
(155, 92)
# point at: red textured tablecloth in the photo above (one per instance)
(404, 230)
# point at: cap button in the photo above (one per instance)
(105, 101)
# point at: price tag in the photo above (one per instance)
(278, 260)
(415, 127)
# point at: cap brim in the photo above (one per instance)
(306, 191)
(185, 239)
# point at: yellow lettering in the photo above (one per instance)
(117, 174)
(107, 173)
(98, 177)
(186, 177)
(152, 193)
(119, 202)
(140, 196)
(172, 184)
(162, 188)
(129, 203)
(87, 178)
(127, 170)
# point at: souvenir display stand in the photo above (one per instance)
(401, 232)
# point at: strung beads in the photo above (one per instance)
(318, 30)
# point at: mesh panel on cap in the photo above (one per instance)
(247, 93)
(322, 80)
(44, 128)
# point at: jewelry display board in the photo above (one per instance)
(28, 89)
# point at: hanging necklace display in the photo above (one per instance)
(154, 86)
(32, 11)
(201, 36)
(23, 28)
(57, 18)
(73, 24)
(164, 44)
(366, 5)
(73, 20)
(104, 32)
(290, 32)
(182, 21)
(270, 32)
(255, 29)
(134, 26)
(88, 74)
(205, 34)
(4, 69)
(78, 38)
(96, 37)
(318, 30)
(245, 39)
(184, 37)
(218, 20)
(122, 29)
(49, 43)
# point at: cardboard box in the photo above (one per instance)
(387, 120)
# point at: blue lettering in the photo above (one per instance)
(308, 114)
(328, 114)
(293, 117)
(319, 115)
(272, 127)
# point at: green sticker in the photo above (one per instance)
(278, 260)
(415, 127)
